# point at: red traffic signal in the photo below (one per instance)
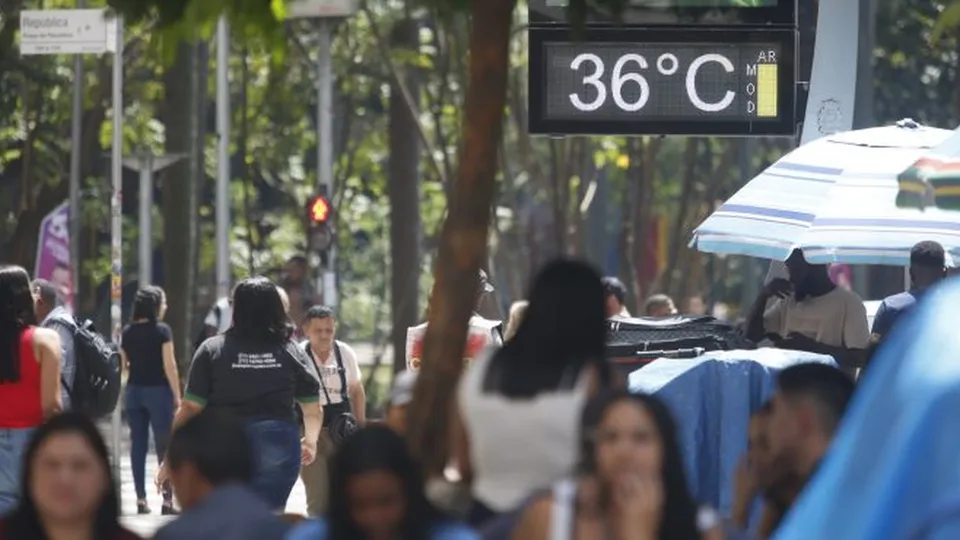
(319, 209)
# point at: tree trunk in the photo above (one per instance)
(463, 242)
(178, 117)
(403, 191)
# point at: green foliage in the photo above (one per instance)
(948, 20)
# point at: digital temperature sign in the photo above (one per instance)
(640, 81)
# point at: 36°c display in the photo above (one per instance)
(643, 81)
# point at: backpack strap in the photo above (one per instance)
(68, 325)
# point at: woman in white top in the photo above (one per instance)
(631, 486)
(520, 405)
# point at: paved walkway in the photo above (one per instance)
(147, 525)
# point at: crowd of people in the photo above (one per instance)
(547, 443)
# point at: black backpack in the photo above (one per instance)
(96, 380)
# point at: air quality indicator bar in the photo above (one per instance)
(767, 90)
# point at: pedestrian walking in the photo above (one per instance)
(153, 387)
(341, 394)
(380, 495)
(631, 480)
(29, 377)
(531, 392)
(52, 314)
(68, 490)
(211, 465)
(255, 372)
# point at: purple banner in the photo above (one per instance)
(53, 253)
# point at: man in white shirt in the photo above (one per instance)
(51, 313)
(808, 312)
(341, 391)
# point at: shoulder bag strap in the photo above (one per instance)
(343, 373)
(323, 385)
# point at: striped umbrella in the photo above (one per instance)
(934, 179)
(835, 198)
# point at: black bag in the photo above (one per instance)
(337, 417)
(96, 381)
(633, 336)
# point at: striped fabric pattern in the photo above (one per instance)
(934, 179)
(835, 198)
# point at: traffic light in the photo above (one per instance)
(319, 210)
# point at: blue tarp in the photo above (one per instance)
(712, 398)
(894, 468)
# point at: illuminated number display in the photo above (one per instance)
(693, 82)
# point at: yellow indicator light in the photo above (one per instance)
(767, 90)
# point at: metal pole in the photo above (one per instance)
(76, 133)
(146, 219)
(223, 158)
(116, 222)
(328, 281)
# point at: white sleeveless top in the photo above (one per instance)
(518, 445)
(562, 515)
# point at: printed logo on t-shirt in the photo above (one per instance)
(256, 361)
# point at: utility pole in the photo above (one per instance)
(76, 134)
(223, 201)
(116, 220)
(325, 85)
(328, 12)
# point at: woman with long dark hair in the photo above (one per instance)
(379, 495)
(631, 482)
(68, 491)
(29, 377)
(255, 372)
(519, 405)
(153, 386)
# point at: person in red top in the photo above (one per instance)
(68, 490)
(29, 377)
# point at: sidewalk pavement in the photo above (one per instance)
(147, 525)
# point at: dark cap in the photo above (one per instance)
(614, 287)
(928, 254)
(484, 282)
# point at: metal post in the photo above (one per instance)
(146, 219)
(223, 158)
(328, 277)
(76, 134)
(116, 222)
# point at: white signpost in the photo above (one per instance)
(90, 31)
(64, 31)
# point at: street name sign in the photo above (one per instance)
(64, 31)
(307, 9)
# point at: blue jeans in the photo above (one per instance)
(276, 456)
(13, 444)
(148, 406)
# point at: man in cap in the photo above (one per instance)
(927, 268)
(616, 297)
(482, 331)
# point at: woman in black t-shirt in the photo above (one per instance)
(255, 372)
(153, 386)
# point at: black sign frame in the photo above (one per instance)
(784, 13)
(785, 125)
